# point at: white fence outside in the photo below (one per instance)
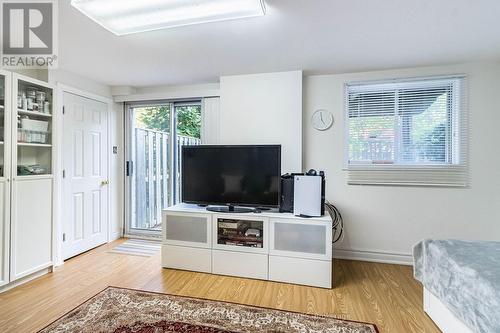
(152, 176)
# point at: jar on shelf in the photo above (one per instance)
(29, 103)
(24, 105)
(40, 97)
(46, 107)
(31, 92)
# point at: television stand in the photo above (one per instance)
(230, 209)
(268, 246)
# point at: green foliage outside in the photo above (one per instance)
(427, 133)
(158, 118)
(189, 121)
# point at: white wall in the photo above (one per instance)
(177, 88)
(39, 74)
(383, 223)
(264, 109)
(151, 93)
(79, 82)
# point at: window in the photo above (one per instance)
(410, 132)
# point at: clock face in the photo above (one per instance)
(322, 120)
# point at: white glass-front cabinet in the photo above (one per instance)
(26, 185)
(5, 165)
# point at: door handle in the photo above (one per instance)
(104, 182)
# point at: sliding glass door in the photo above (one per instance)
(155, 135)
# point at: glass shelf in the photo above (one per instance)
(29, 144)
(33, 113)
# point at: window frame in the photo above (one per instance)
(459, 140)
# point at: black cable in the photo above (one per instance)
(337, 222)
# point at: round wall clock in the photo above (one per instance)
(322, 119)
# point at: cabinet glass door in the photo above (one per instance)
(188, 229)
(311, 239)
(2, 125)
(4, 191)
(34, 129)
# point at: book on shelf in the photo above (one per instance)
(228, 225)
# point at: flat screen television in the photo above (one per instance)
(243, 175)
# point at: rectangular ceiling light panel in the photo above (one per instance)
(131, 16)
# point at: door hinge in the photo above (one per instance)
(64, 109)
(64, 237)
(64, 173)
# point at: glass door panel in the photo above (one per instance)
(2, 124)
(150, 143)
(34, 129)
(156, 134)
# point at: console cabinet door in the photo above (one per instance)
(31, 225)
(187, 229)
(308, 239)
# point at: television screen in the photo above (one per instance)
(232, 175)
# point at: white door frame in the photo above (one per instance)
(58, 165)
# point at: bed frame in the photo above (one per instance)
(442, 317)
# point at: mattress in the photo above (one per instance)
(465, 276)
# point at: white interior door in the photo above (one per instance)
(85, 182)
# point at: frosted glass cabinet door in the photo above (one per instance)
(293, 238)
(187, 229)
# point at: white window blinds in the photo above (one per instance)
(411, 132)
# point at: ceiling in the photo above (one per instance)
(317, 36)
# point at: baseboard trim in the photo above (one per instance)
(25, 279)
(374, 256)
(114, 236)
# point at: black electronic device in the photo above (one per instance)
(231, 175)
(286, 200)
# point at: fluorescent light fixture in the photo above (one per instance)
(123, 17)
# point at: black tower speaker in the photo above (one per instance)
(286, 200)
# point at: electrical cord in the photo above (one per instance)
(337, 222)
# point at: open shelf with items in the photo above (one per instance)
(34, 98)
(34, 159)
(240, 233)
(237, 232)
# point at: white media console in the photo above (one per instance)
(286, 249)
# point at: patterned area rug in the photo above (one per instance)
(120, 310)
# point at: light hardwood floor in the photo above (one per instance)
(386, 295)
